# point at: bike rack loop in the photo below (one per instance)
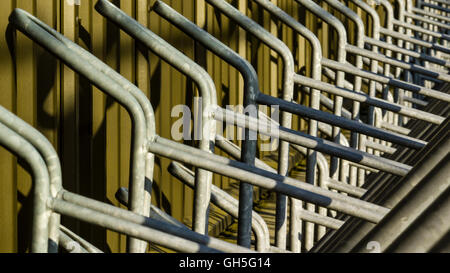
(314, 94)
(18, 146)
(200, 78)
(50, 156)
(116, 19)
(206, 88)
(59, 45)
(340, 75)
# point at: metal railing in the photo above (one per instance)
(335, 196)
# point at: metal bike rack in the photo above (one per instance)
(356, 191)
(206, 88)
(210, 43)
(20, 138)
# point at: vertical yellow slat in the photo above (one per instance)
(8, 187)
(178, 97)
(223, 86)
(243, 52)
(164, 92)
(323, 33)
(46, 78)
(154, 94)
(142, 79)
(274, 77)
(213, 62)
(84, 89)
(199, 8)
(26, 97)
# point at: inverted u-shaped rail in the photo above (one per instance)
(227, 54)
(206, 88)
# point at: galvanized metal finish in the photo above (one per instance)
(375, 143)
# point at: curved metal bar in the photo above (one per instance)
(206, 88)
(140, 98)
(36, 30)
(41, 215)
(227, 203)
(242, 65)
(51, 159)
